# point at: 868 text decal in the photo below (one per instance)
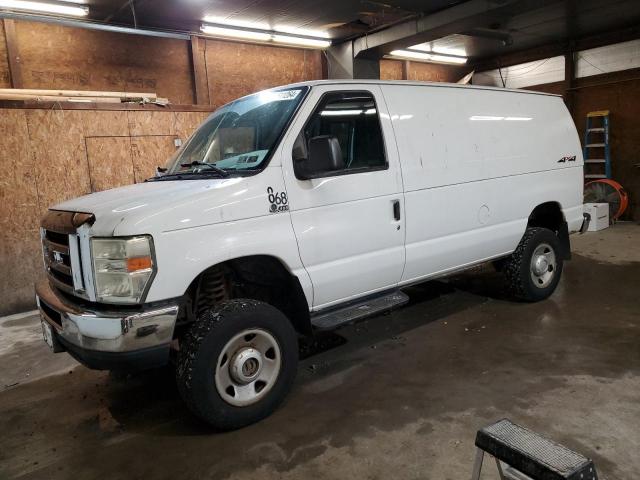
(278, 201)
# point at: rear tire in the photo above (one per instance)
(534, 269)
(237, 363)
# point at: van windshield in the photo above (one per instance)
(239, 136)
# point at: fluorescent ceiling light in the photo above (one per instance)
(233, 22)
(415, 55)
(58, 8)
(309, 42)
(263, 36)
(301, 31)
(425, 47)
(234, 33)
(236, 23)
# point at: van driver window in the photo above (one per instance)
(352, 117)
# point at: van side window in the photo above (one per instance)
(352, 117)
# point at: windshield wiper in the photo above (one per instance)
(210, 166)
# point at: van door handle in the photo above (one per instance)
(396, 209)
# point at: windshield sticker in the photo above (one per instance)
(278, 201)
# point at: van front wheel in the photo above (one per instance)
(534, 269)
(237, 363)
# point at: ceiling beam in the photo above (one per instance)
(464, 17)
(556, 49)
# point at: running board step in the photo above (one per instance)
(358, 311)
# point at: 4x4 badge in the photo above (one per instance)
(567, 159)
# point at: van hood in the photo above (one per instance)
(152, 207)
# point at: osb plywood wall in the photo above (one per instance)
(58, 57)
(423, 72)
(235, 69)
(51, 155)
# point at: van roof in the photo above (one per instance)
(413, 83)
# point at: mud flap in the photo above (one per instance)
(565, 243)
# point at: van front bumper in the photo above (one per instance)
(108, 339)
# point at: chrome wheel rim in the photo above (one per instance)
(248, 367)
(543, 265)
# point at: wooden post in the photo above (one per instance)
(13, 53)
(324, 64)
(569, 77)
(199, 70)
(405, 70)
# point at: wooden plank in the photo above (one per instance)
(13, 53)
(199, 71)
(148, 107)
(78, 93)
(53, 98)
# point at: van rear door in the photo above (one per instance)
(349, 223)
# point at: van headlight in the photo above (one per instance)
(122, 268)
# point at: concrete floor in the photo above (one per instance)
(398, 396)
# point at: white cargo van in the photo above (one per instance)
(302, 208)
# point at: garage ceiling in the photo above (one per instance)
(339, 18)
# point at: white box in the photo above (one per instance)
(599, 216)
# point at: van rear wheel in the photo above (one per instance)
(534, 269)
(237, 363)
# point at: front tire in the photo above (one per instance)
(237, 363)
(534, 269)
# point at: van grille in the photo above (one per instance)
(61, 251)
(57, 259)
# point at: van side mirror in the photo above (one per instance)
(323, 156)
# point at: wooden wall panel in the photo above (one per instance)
(104, 123)
(20, 261)
(390, 70)
(422, 72)
(150, 152)
(431, 72)
(235, 69)
(5, 76)
(18, 192)
(52, 155)
(151, 123)
(57, 145)
(108, 165)
(187, 122)
(21, 264)
(60, 57)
